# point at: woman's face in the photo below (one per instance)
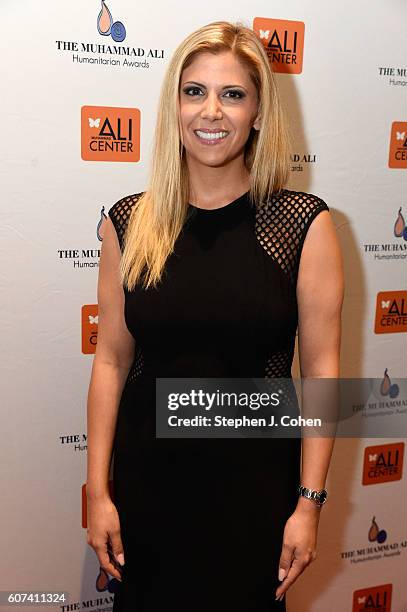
(218, 108)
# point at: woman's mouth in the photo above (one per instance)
(211, 138)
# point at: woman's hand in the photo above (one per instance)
(104, 534)
(299, 543)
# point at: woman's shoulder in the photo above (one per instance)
(294, 209)
(123, 207)
(299, 203)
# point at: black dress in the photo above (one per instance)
(202, 519)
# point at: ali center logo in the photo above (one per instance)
(391, 312)
(373, 599)
(398, 145)
(283, 41)
(383, 463)
(89, 327)
(110, 134)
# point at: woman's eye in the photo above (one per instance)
(236, 94)
(188, 90)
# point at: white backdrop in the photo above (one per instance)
(347, 108)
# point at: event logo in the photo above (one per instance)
(90, 257)
(90, 320)
(110, 134)
(398, 145)
(106, 26)
(100, 230)
(391, 312)
(375, 534)
(389, 251)
(382, 397)
(86, 258)
(109, 52)
(373, 599)
(105, 583)
(387, 388)
(400, 228)
(393, 75)
(79, 442)
(378, 550)
(283, 41)
(383, 463)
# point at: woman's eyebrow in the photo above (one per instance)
(201, 85)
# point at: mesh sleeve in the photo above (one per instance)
(120, 213)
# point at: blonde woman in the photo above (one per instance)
(208, 273)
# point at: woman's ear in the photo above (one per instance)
(257, 123)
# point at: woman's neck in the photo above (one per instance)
(209, 185)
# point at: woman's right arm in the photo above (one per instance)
(112, 361)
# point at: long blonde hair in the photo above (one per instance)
(160, 213)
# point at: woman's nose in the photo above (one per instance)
(211, 108)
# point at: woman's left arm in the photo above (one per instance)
(320, 294)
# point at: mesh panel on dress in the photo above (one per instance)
(120, 215)
(137, 366)
(278, 364)
(281, 226)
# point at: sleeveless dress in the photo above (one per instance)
(202, 519)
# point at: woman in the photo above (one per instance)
(207, 274)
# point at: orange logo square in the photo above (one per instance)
(283, 41)
(373, 599)
(391, 312)
(110, 134)
(89, 328)
(383, 463)
(398, 145)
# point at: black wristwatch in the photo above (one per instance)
(319, 497)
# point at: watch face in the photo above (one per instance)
(322, 496)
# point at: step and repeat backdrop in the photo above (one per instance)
(80, 85)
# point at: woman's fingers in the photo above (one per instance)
(297, 567)
(104, 535)
(116, 546)
(286, 558)
(107, 561)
